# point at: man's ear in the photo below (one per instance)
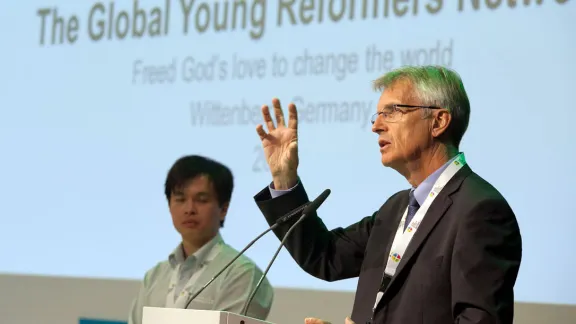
(442, 119)
(224, 211)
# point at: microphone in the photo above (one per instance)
(308, 209)
(278, 222)
(314, 205)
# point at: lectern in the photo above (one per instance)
(158, 315)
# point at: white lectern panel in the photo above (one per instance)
(158, 315)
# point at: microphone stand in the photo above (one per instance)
(309, 209)
(247, 304)
(278, 223)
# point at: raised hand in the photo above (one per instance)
(280, 144)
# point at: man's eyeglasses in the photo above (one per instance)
(393, 113)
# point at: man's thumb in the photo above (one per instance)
(349, 321)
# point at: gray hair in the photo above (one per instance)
(435, 86)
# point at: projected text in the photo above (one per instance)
(306, 63)
(107, 21)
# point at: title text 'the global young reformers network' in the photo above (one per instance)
(131, 19)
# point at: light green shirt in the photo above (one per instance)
(171, 282)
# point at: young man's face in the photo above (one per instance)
(196, 213)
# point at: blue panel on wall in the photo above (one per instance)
(98, 321)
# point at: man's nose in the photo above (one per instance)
(379, 125)
(190, 208)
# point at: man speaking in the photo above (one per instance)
(447, 250)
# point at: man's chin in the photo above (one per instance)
(388, 160)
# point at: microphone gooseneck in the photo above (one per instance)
(278, 223)
(247, 304)
(308, 209)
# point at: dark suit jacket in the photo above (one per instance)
(460, 267)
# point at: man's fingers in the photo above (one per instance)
(268, 118)
(278, 112)
(261, 132)
(312, 320)
(292, 116)
(348, 321)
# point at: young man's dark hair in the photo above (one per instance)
(189, 167)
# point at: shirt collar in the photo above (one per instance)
(426, 186)
(204, 254)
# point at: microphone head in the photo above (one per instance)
(314, 205)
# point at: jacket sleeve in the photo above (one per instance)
(325, 254)
(485, 264)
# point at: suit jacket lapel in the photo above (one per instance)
(390, 224)
(435, 213)
(381, 236)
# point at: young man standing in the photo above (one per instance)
(198, 191)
